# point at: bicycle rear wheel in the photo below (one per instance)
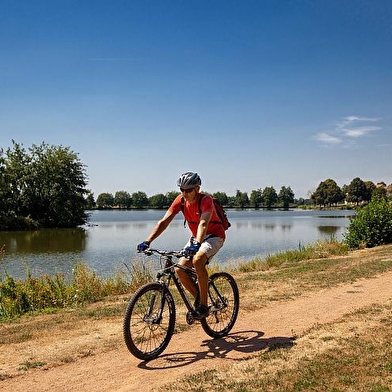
(149, 321)
(224, 301)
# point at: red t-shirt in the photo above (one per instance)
(192, 214)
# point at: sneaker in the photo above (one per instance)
(200, 312)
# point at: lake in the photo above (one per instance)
(109, 240)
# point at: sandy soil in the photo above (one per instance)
(193, 351)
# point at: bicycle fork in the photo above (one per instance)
(149, 317)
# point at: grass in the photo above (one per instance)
(31, 365)
(317, 250)
(49, 293)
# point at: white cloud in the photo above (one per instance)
(326, 138)
(359, 131)
(349, 128)
(356, 118)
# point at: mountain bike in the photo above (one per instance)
(150, 315)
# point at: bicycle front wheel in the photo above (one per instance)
(224, 302)
(149, 321)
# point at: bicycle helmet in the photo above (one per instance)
(188, 180)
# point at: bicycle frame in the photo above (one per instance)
(170, 272)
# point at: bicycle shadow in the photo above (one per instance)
(246, 342)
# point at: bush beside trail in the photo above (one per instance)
(372, 225)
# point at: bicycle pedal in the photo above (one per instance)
(190, 319)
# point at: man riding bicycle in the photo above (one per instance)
(208, 234)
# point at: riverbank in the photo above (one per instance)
(70, 339)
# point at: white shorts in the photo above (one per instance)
(210, 246)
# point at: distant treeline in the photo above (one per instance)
(258, 198)
(328, 193)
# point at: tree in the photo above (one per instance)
(221, 197)
(122, 199)
(256, 198)
(369, 188)
(379, 192)
(90, 201)
(241, 199)
(158, 201)
(16, 172)
(139, 199)
(170, 196)
(356, 191)
(389, 190)
(47, 184)
(105, 200)
(327, 193)
(286, 196)
(302, 201)
(5, 189)
(58, 186)
(270, 197)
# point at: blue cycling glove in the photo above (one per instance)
(192, 250)
(143, 246)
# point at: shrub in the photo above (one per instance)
(32, 294)
(372, 226)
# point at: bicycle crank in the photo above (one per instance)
(190, 318)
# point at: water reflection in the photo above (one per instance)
(110, 239)
(44, 241)
(330, 230)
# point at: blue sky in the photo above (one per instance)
(247, 93)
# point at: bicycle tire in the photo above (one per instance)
(224, 302)
(149, 321)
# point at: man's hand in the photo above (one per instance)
(192, 250)
(143, 246)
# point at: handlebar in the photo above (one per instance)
(175, 253)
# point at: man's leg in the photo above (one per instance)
(184, 277)
(208, 249)
(199, 262)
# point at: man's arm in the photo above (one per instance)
(203, 225)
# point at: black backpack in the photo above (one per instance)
(218, 208)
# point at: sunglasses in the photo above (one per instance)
(187, 190)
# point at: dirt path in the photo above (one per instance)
(193, 351)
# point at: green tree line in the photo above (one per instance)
(259, 198)
(327, 194)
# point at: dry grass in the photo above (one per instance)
(53, 339)
(292, 279)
